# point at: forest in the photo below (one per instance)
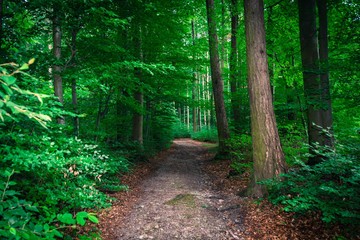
(92, 88)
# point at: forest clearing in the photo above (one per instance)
(186, 119)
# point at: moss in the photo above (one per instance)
(187, 200)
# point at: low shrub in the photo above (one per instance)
(331, 187)
(47, 179)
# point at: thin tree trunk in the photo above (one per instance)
(235, 99)
(194, 88)
(138, 118)
(268, 156)
(326, 109)
(1, 30)
(56, 70)
(148, 106)
(75, 107)
(179, 112)
(217, 81)
(188, 117)
(312, 86)
(204, 97)
(74, 84)
(223, 39)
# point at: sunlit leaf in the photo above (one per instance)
(25, 66)
(12, 231)
(31, 61)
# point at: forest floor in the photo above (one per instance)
(184, 194)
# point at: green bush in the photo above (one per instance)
(46, 178)
(240, 152)
(206, 135)
(160, 128)
(331, 187)
(181, 130)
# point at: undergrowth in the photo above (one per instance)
(49, 183)
(331, 187)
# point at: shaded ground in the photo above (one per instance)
(183, 194)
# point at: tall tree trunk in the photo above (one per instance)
(312, 84)
(326, 109)
(223, 38)
(74, 84)
(56, 70)
(268, 156)
(217, 81)
(194, 88)
(1, 30)
(235, 98)
(138, 118)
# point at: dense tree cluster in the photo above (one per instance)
(91, 86)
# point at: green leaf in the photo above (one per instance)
(66, 218)
(12, 231)
(7, 89)
(31, 208)
(46, 227)
(25, 66)
(93, 219)
(11, 193)
(80, 218)
(25, 235)
(57, 233)
(9, 80)
(38, 228)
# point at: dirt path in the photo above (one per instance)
(177, 201)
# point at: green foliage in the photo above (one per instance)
(10, 93)
(292, 139)
(206, 135)
(47, 178)
(240, 152)
(181, 130)
(331, 187)
(161, 125)
(23, 220)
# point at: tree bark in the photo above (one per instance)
(194, 88)
(312, 84)
(56, 70)
(217, 81)
(326, 110)
(138, 117)
(1, 30)
(268, 156)
(223, 37)
(235, 99)
(74, 84)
